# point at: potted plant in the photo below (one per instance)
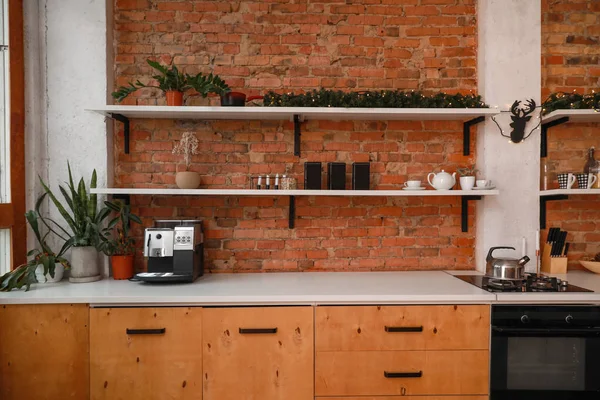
(467, 177)
(84, 226)
(45, 266)
(116, 241)
(188, 146)
(174, 83)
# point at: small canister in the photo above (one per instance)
(288, 183)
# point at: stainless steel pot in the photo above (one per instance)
(505, 268)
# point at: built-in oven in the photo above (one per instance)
(545, 352)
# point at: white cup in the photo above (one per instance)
(412, 184)
(483, 183)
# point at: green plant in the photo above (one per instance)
(170, 78)
(24, 275)
(83, 218)
(571, 101)
(116, 239)
(467, 171)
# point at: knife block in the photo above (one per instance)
(553, 265)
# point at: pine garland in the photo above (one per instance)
(372, 99)
(571, 101)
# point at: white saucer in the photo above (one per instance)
(419, 188)
(484, 188)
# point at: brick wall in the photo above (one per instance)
(256, 46)
(570, 51)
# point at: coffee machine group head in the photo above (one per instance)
(175, 251)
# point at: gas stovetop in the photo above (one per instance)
(531, 283)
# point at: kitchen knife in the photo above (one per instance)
(562, 241)
(554, 245)
(567, 249)
(552, 235)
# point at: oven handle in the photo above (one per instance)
(549, 331)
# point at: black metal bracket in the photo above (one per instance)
(297, 134)
(543, 201)
(467, 134)
(545, 127)
(292, 213)
(125, 197)
(464, 215)
(125, 121)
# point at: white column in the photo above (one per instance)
(509, 69)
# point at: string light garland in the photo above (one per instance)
(571, 101)
(372, 99)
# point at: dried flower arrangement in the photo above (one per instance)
(188, 146)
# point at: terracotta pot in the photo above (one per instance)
(122, 266)
(174, 98)
(187, 180)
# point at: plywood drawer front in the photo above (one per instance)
(259, 353)
(407, 398)
(146, 364)
(362, 373)
(364, 327)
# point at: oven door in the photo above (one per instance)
(549, 364)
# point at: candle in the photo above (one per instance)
(268, 184)
(277, 181)
(259, 182)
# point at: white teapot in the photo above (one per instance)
(441, 180)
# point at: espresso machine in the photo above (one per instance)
(175, 251)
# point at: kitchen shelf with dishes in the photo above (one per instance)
(465, 195)
(469, 116)
(555, 118)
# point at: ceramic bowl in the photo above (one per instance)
(593, 266)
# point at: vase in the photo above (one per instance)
(59, 271)
(122, 267)
(187, 180)
(174, 98)
(467, 182)
(84, 265)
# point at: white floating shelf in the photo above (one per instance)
(288, 113)
(554, 192)
(264, 192)
(573, 115)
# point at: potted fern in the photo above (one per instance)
(116, 240)
(84, 222)
(188, 146)
(467, 177)
(174, 83)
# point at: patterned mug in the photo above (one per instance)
(566, 181)
(586, 181)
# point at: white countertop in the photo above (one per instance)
(284, 288)
(300, 288)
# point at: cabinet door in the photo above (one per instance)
(258, 353)
(44, 352)
(146, 353)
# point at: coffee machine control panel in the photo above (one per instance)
(184, 238)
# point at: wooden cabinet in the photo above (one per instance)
(401, 373)
(146, 353)
(353, 328)
(44, 352)
(406, 398)
(402, 351)
(262, 353)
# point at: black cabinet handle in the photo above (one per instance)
(403, 374)
(404, 329)
(158, 331)
(254, 331)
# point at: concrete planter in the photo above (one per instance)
(59, 271)
(84, 265)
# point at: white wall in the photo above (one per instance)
(509, 69)
(65, 59)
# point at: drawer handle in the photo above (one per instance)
(404, 329)
(158, 331)
(403, 374)
(255, 331)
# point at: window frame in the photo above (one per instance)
(12, 215)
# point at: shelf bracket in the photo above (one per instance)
(545, 127)
(297, 134)
(467, 134)
(464, 215)
(543, 201)
(125, 121)
(292, 213)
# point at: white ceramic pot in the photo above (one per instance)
(187, 180)
(84, 265)
(467, 182)
(59, 271)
